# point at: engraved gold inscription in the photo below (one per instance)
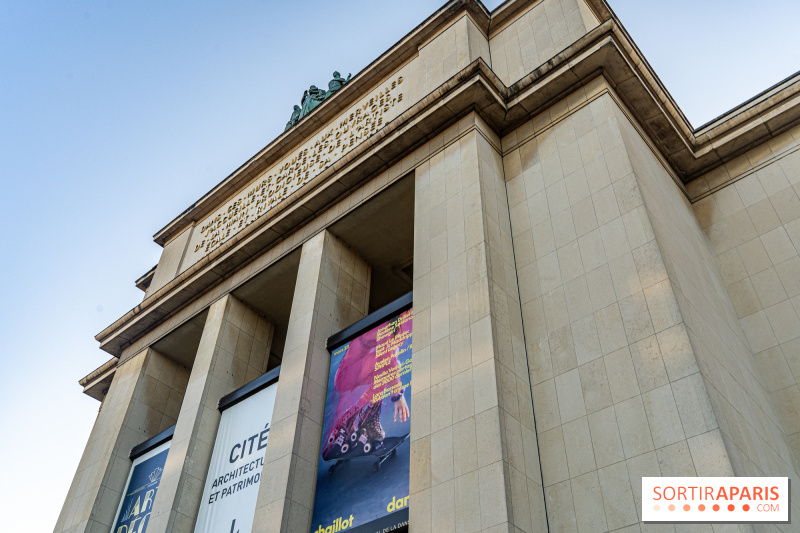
(300, 168)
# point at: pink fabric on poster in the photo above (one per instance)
(354, 379)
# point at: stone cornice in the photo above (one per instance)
(96, 383)
(605, 51)
(145, 279)
(694, 151)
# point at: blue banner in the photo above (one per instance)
(363, 473)
(133, 514)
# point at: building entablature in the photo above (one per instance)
(428, 105)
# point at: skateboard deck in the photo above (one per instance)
(383, 451)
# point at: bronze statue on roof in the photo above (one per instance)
(315, 96)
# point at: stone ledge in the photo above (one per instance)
(97, 382)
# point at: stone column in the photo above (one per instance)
(234, 349)
(331, 293)
(143, 400)
(617, 391)
(474, 456)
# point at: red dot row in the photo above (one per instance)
(702, 507)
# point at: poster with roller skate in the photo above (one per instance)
(363, 473)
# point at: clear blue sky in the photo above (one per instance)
(115, 116)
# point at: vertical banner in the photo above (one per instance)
(231, 490)
(133, 513)
(363, 473)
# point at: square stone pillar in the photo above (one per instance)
(332, 292)
(474, 456)
(143, 400)
(234, 349)
(617, 390)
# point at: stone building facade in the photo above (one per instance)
(601, 292)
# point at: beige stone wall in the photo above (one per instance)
(751, 217)
(617, 392)
(158, 400)
(143, 400)
(521, 462)
(170, 261)
(738, 386)
(449, 52)
(474, 462)
(537, 35)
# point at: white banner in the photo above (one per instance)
(231, 490)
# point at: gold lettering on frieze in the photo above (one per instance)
(296, 170)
